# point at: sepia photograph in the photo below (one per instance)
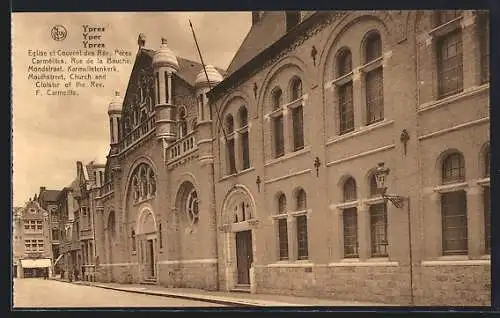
(251, 159)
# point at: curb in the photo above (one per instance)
(169, 295)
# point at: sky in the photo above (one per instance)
(51, 133)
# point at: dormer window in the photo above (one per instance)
(292, 19)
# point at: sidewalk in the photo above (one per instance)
(227, 298)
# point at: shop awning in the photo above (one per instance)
(36, 263)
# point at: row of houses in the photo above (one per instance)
(263, 177)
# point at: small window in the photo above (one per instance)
(160, 234)
(487, 162)
(281, 204)
(277, 98)
(298, 128)
(346, 108)
(350, 190)
(133, 241)
(279, 139)
(450, 67)
(374, 92)
(245, 149)
(229, 124)
(453, 169)
(378, 221)
(454, 223)
(302, 241)
(350, 220)
(373, 47)
(484, 38)
(296, 89)
(243, 114)
(374, 191)
(301, 200)
(344, 62)
(283, 239)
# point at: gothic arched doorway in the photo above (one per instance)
(147, 241)
(238, 222)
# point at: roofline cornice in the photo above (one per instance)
(288, 42)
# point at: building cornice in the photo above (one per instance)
(287, 43)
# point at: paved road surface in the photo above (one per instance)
(40, 293)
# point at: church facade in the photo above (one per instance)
(261, 177)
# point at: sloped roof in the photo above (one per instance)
(49, 195)
(188, 69)
(260, 36)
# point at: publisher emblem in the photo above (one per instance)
(58, 32)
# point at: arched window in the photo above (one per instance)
(133, 241)
(301, 223)
(277, 123)
(487, 161)
(373, 47)
(192, 209)
(374, 85)
(454, 207)
(301, 200)
(243, 115)
(152, 182)
(245, 151)
(229, 126)
(281, 203)
(484, 44)
(297, 115)
(182, 123)
(277, 98)
(282, 228)
(292, 19)
(453, 168)
(344, 62)
(350, 189)
(296, 89)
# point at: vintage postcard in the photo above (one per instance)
(257, 159)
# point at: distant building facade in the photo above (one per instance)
(48, 201)
(32, 251)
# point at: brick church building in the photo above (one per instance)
(260, 178)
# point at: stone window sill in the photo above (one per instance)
(288, 156)
(242, 172)
(451, 187)
(443, 261)
(292, 264)
(360, 131)
(469, 92)
(382, 262)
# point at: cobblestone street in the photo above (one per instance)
(40, 293)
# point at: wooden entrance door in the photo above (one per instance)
(244, 256)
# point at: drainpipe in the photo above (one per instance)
(412, 301)
(94, 245)
(217, 284)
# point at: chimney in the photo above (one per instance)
(256, 17)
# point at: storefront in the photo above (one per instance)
(32, 268)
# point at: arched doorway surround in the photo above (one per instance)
(238, 222)
(147, 244)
